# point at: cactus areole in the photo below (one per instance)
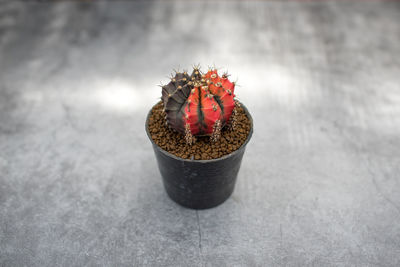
(198, 104)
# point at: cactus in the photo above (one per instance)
(199, 104)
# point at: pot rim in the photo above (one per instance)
(202, 160)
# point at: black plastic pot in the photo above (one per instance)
(199, 184)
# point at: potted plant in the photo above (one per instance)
(199, 132)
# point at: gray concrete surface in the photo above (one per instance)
(319, 184)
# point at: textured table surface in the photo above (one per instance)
(320, 181)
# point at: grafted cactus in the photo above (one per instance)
(199, 104)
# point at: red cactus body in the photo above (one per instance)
(200, 103)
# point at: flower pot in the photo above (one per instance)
(199, 184)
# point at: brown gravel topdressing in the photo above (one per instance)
(202, 149)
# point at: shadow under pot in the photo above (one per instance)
(199, 184)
